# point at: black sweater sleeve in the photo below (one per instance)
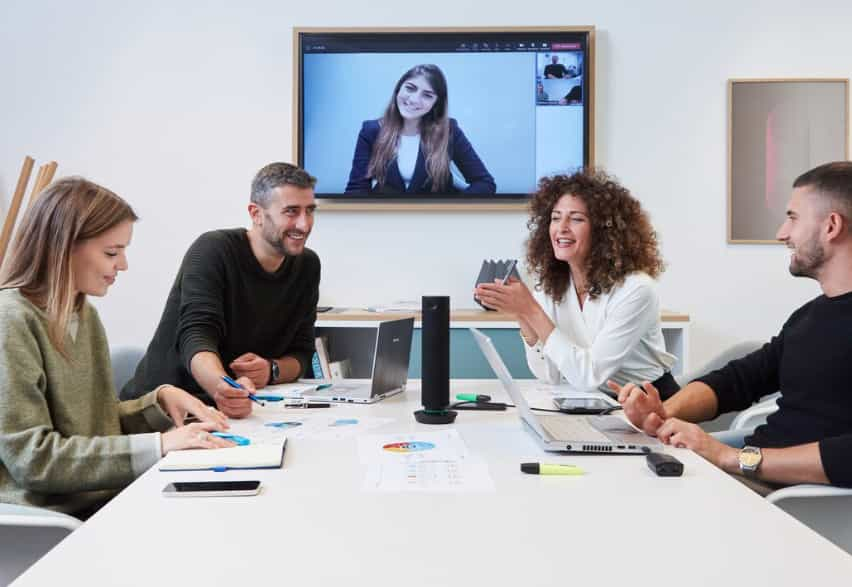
(302, 347)
(201, 316)
(810, 362)
(744, 381)
(835, 454)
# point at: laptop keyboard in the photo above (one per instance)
(571, 429)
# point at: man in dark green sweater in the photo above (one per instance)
(243, 303)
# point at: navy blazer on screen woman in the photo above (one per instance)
(460, 152)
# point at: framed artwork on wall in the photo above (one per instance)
(777, 130)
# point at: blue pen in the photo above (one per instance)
(324, 386)
(236, 385)
(238, 440)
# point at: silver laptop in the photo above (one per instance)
(563, 432)
(390, 368)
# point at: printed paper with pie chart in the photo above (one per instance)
(421, 446)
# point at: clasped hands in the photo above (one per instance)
(253, 367)
(645, 410)
(513, 297)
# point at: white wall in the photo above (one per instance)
(176, 107)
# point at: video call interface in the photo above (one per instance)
(519, 100)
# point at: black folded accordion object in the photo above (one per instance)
(491, 270)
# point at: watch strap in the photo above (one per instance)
(273, 372)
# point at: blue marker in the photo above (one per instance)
(236, 385)
(270, 397)
(324, 386)
(238, 440)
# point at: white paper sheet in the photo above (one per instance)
(267, 425)
(293, 390)
(452, 476)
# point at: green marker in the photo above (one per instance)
(472, 397)
(544, 469)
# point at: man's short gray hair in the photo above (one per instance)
(276, 175)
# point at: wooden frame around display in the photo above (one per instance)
(773, 155)
(440, 205)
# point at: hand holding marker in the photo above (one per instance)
(238, 385)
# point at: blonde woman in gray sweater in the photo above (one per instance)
(66, 442)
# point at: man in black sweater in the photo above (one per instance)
(809, 438)
(555, 69)
(245, 299)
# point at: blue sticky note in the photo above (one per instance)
(283, 424)
(344, 422)
(238, 440)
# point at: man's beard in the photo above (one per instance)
(277, 241)
(807, 259)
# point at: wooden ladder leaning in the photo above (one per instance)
(43, 178)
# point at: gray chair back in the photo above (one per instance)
(734, 352)
(124, 362)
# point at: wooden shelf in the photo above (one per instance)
(467, 315)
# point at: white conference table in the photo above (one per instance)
(313, 525)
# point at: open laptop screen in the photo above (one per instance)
(393, 349)
(502, 372)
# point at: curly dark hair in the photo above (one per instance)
(623, 240)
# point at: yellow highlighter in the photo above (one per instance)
(545, 469)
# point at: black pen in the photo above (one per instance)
(308, 405)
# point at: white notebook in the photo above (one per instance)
(254, 456)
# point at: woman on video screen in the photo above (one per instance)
(409, 150)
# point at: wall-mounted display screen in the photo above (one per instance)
(442, 115)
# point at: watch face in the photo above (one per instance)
(749, 459)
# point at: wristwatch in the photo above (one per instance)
(750, 458)
(273, 372)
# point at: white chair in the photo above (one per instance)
(736, 351)
(825, 509)
(26, 534)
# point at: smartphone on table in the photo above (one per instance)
(211, 488)
(584, 405)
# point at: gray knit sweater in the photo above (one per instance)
(66, 442)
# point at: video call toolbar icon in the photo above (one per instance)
(510, 46)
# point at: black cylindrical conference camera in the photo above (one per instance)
(435, 378)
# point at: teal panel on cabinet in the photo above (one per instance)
(468, 362)
(357, 343)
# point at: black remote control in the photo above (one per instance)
(664, 465)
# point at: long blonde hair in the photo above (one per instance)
(434, 132)
(69, 211)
